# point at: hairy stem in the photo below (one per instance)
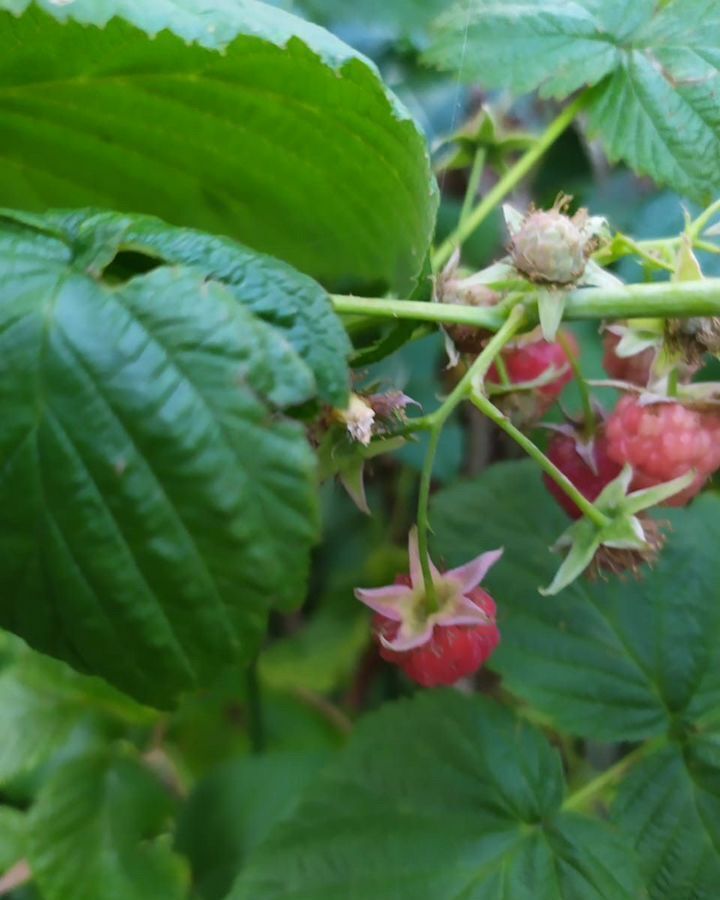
(495, 415)
(508, 182)
(632, 301)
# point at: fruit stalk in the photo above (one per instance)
(436, 421)
(496, 416)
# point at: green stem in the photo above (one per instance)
(496, 416)
(588, 412)
(698, 225)
(508, 182)
(580, 798)
(502, 371)
(476, 174)
(706, 246)
(658, 252)
(436, 422)
(423, 524)
(631, 301)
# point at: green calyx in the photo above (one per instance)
(625, 541)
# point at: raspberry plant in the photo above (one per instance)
(358, 517)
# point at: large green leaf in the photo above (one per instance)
(659, 110)
(97, 832)
(231, 811)
(234, 117)
(292, 303)
(655, 67)
(443, 798)
(614, 660)
(153, 504)
(669, 807)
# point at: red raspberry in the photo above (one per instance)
(529, 361)
(663, 441)
(452, 653)
(563, 451)
(635, 369)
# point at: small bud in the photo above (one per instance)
(359, 418)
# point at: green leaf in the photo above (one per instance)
(12, 837)
(556, 46)
(297, 307)
(43, 702)
(97, 832)
(441, 798)
(669, 808)
(615, 660)
(234, 117)
(231, 811)
(654, 68)
(153, 506)
(658, 111)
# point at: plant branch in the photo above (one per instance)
(632, 301)
(508, 182)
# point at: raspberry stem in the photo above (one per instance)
(496, 416)
(632, 301)
(473, 186)
(508, 182)
(435, 422)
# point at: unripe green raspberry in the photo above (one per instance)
(550, 247)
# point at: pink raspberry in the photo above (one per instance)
(565, 452)
(663, 441)
(530, 361)
(453, 651)
(441, 638)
